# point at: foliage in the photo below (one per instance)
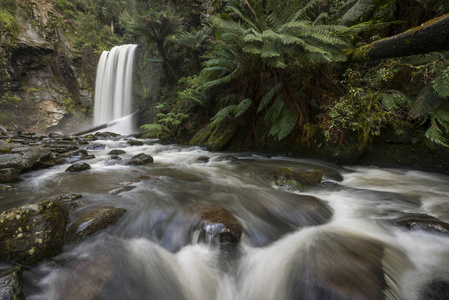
(167, 126)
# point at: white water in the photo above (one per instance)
(286, 251)
(113, 88)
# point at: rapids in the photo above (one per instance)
(333, 241)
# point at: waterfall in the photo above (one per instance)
(113, 88)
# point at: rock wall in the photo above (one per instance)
(46, 82)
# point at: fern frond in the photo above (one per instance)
(268, 96)
(242, 107)
(284, 124)
(441, 84)
(360, 8)
(275, 110)
(425, 102)
(223, 113)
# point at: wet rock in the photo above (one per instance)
(11, 284)
(218, 221)
(89, 223)
(71, 201)
(86, 279)
(215, 136)
(74, 156)
(340, 266)
(290, 179)
(116, 152)
(122, 190)
(141, 159)
(33, 232)
(9, 175)
(78, 167)
(202, 160)
(115, 157)
(25, 158)
(96, 146)
(423, 222)
(106, 135)
(436, 290)
(135, 143)
(229, 158)
(334, 176)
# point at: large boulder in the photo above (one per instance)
(91, 222)
(218, 222)
(11, 284)
(33, 232)
(141, 159)
(290, 179)
(215, 136)
(78, 167)
(423, 222)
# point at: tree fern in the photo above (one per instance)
(268, 96)
(284, 123)
(357, 9)
(223, 113)
(242, 107)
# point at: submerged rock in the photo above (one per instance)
(218, 221)
(87, 279)
(11, 284)
(202, 160)
(436, 290)
(33, 232)
(74, 156)
(341, 266)
(71, 201)
(141, 159)
(229, 158)
(291, 179)
(116, 152)
(423, 222)
(78, 167)
(96, 146)
(91, 222)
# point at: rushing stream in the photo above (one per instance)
(333, 241)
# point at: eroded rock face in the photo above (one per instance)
(141, 159)
(290, 179)
(423, 222)
(33, 232)
(11, 284)
(91, 222)
(217, 221)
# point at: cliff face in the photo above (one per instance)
(46, 81)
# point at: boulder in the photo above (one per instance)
(33, 232)
(290, 179)
(91, 222)
(78, 167)
(24, 158)
(423, 222)
(9, 175)
(112, 157)
(340, 265)
(228, 158)
(74, 156)
(141, 159)
(217, 221)
(116, 152)
(202, 160)
(436, 290)
(11, 284)
(135, 143)
(215, 136)
(96, 146)
(72, 201)
(106, 135)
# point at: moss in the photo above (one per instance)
(290, 178)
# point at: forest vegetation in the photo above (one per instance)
(276, 72)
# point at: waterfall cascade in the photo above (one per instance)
(113, 88)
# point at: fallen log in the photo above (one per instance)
(106, 125)
(431, 36)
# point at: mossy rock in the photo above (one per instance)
(32, 233)
(91, 222)
(11, 284)
(135, 142)
(116, 152)
(291, 179)
(217, 221)
(141, 159)
(215, 136)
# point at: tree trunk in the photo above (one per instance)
(429, 37)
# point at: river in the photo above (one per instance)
(332, 241)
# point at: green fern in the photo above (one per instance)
(357, 8)
(242, 107)
(268, 96)
(223, 113)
